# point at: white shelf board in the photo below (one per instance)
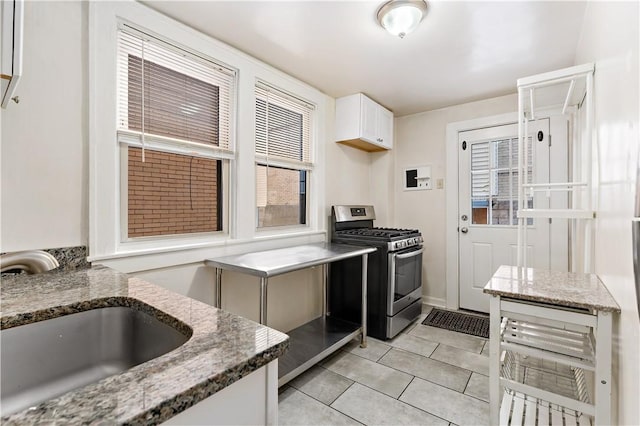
(518, 408)
(556, 213)
(548, 77)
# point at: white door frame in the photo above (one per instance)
(451, 195)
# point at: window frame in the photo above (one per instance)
(149, 141)
(288, 164)
(127, 138)
(104, 207)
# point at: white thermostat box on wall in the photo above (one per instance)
(417, 178)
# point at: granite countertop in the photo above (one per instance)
(573, 290)
(222, 348)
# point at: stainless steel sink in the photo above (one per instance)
(45, 359)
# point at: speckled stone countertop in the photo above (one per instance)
(568, 289)
(222, 348)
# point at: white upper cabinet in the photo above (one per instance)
(363, 124)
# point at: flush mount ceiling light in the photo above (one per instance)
(400, 17)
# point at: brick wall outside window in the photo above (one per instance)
(171, 194)
(278, 196)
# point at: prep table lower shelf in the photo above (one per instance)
(313, 341)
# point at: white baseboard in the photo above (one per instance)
(433, 301)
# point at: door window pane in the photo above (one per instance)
(494, 182)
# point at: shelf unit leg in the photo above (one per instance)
(365, 260)
(263, 300)
(603, 369)
(218, 288)
(325, 287)
(494, 360)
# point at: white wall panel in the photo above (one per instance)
(44, 137)
(610, 39)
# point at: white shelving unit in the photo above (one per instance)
(550, 345)
(566, 91)
(550, 348)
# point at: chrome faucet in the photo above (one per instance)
(32, 261)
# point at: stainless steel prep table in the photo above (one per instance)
(318, 338)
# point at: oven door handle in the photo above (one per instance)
(410, 254)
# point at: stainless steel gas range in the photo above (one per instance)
(394, 272)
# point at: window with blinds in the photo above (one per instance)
(174, 126)
(168, 92)
(283, 157)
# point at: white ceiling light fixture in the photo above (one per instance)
(400, 17)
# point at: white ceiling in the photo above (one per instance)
(462, 51)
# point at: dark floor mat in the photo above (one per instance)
(458, 321)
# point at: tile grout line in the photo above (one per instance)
(467, 384)
(405, 388)
(442, 343)
(430, 381)
(454, 365)
(389, 396)
(329, 405)
(418, 408)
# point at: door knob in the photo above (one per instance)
(464, 230)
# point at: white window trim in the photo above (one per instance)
(104, 156)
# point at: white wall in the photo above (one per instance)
(44, 137)
(347, 175)
(610, 39)
(44, 186)
(421, 140)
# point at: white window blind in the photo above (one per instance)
(283, 128)
(480, 166)
(170, 96)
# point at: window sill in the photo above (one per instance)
(147, 259)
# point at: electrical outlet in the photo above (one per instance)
(440, 183)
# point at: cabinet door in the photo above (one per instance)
(385, 127)
(368, 120)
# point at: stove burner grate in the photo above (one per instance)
(378, 232)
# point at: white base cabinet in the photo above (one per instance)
(363, 124)
(252, 400)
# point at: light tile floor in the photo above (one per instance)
(425, 376)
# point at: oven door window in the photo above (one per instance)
(407, 275)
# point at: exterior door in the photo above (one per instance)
(488, 202)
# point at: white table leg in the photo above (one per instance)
(603, 369)
(494, 360)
